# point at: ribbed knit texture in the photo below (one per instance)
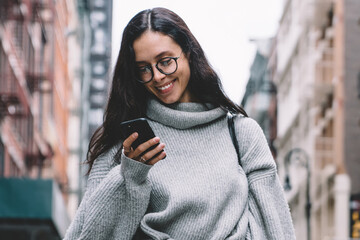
(198, 192)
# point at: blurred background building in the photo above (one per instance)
(304, 91)
(54, 59)
(314, 64)
(259, 100)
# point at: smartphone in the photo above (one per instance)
(142, 127)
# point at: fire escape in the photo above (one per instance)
(30, 206)
(22, 71)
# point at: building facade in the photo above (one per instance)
(259, 100)
(40, 92)
(318, 114)
(347, 100)
(96, 19)
(54, 73)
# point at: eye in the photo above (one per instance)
(165, 62)
(144, 69)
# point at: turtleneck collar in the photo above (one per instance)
(183, 115)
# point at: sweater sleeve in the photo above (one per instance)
(115, 200)
(269, 212)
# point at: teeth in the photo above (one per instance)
(165, 87)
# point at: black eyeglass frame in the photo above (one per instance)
(156, 65)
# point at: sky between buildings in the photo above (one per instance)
(223, 28)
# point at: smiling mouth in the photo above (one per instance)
(166, 88)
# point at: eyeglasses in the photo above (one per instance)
(166, 65)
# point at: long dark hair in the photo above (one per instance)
(128, 97)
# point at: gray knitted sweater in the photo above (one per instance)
(198, 192)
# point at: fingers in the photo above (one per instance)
(140, 154)
(146, 145)
(154, 155)
(128, 142)
(154, 160)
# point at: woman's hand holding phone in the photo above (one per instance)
(140, 153)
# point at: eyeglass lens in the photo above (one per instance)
(166, 66)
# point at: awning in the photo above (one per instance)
(32, 201)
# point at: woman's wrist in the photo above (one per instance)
(134, 170)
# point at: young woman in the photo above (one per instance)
(191, 185)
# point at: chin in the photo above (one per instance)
(168, 100)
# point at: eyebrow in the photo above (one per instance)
(156, 57)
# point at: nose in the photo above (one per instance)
(158, 76)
